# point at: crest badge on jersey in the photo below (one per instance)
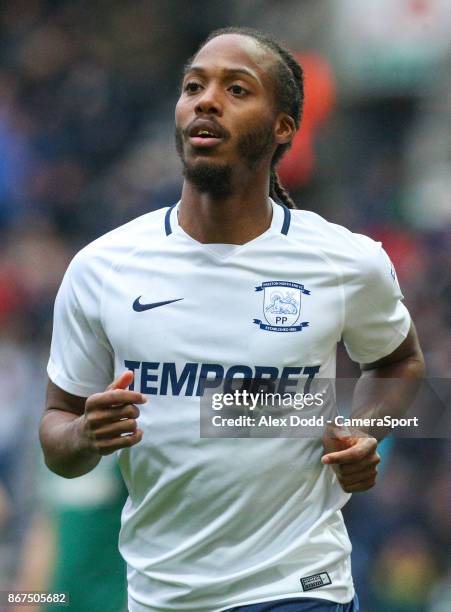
(281, 306)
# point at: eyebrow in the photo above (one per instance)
(200, 70)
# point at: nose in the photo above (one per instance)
(209, 103)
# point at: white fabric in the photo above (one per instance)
(215, 523)
(221, 250)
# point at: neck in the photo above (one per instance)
(235, 219)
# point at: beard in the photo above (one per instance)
(211, 178)
(216, 179)
(255, 145)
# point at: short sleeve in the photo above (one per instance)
(81, 358)
(376, 320)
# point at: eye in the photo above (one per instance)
(192, 87)
(237, 90)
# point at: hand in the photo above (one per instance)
(353, 458)
(110, 414)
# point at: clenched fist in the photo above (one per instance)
(353, 458)
(109, 422)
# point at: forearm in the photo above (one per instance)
(65, 451)
(387, 391)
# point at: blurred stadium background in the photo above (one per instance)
(87, 92)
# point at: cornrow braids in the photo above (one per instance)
(289, 93)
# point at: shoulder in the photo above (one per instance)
(351, 252)
(109, 249)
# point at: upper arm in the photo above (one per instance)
(376, 320)
(58, 399)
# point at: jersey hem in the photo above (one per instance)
(247, 602)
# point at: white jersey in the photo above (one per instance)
(212, 523)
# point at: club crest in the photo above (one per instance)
(281, 306)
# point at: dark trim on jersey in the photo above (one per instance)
(167, 220)
(284, 230)
(286, 219)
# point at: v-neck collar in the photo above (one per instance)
(280, 224)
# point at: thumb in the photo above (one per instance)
(122, 381)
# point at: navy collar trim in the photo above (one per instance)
(167, 220)
(286, 219)
(284, 230)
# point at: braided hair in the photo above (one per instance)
(289, 93)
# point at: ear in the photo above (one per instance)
(285, 129)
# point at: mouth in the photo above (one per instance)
(205, 134)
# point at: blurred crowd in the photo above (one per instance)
(87, 94)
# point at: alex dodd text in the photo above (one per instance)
(293, 420)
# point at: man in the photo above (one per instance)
(168, 302)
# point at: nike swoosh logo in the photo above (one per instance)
(138, 307)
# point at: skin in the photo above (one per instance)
(354, 458)
(76, 432)
(238, 102)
